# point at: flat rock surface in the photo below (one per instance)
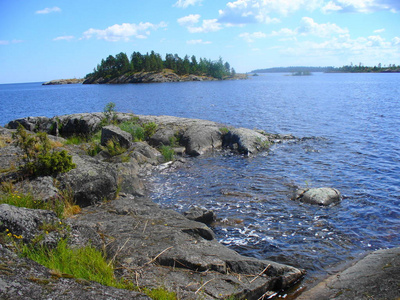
(376, 276)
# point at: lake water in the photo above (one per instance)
(351, 123)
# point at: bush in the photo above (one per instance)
(149, 129)
(39, 156)
(167, 152)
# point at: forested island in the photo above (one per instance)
(360, 68)
(153, 68)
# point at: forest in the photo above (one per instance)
(113, 67)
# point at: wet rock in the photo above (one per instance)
(245, 141)
(115, 134)
(320, 196)
(376, 276)
(200, 214)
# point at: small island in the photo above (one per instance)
(147, 68)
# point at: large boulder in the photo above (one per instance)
(245, 141)
(320, 196)
(115, 134)
(200, 214)
(91, 181)
(199, 139)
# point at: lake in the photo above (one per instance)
(351, 141)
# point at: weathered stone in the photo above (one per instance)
(245, 141)
(199, 139)
(320, 196)
(91, 181)
(199, 214)
(22, 278)
(376, 276)
(163, 136)
(115, 134)
(42, 188)
(154, 245)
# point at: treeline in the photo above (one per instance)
(113, 67)
(360, 68)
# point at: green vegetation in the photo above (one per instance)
(167, 152)
(119, 65)
(39, 156)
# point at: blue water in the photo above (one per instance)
(352, 121)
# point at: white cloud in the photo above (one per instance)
(379, 30)
(190, 22)
(361, 6)
(396, 41)
(187, 3)
(308, 26)
(64, 38)
(48, 10)
(250, 37)
(198, 42)
(4, 42)
(259, 11)
(123, 31)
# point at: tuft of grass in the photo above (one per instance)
(167, 152)
(86, 263)
(224, 130)
(161, 294)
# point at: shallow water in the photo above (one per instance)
(352, 120)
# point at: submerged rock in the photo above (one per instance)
(320, 196)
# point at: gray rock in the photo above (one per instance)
(245, 141)
(91, 181)
(199, 139)
(42, 188)
(161, 247)
(320, 196)
(199, 214)
(376, 276)
(114, 133)
(22, 278)
(163, 136)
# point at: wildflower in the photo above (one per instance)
(47, 232)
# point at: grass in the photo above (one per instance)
(85, 263)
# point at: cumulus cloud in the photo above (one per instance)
(251, 37)
(49, 10)
(362, 6)
(396, 41)
(198, 42)
(309, 27)
(259, 11)
(191, 21)
(123, 31)
(64, 38)
(187, 3)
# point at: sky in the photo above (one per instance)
(41, 40)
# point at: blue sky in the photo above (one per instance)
(42, 40)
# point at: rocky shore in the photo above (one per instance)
(64, 81)
(150, 247)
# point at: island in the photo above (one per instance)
(147, 68)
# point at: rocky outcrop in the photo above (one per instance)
(115, 134)
(64, 81)
(376, 276)
(22, 278)
(154, 246)
(246, 141)
(319, 196)
(200, 214)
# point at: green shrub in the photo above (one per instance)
(39, 156)
(167, 152)
(149, 129)
(114, 148)
(93, 148)
(132, 127)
